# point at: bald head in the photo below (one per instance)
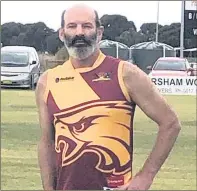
(81, 31)
(80, 9)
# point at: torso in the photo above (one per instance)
(93, 120)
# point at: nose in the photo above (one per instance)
(79, 30)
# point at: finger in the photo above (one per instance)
(124, 187)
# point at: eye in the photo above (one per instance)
(72, 25)
(87, 25)
(79, 127)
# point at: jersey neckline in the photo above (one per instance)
(96, 64)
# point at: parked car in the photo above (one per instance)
(171, 66)
(194, 66)
(20, 66)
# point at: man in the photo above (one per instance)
(86, 108)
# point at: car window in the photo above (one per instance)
(31, 57)
(14, 58)
(35, 56)
(170, 65)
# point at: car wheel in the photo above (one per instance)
(32, 84)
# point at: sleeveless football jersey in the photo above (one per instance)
(92, 116)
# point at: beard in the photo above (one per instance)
(82, 46)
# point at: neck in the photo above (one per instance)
(88, 62)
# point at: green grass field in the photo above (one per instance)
(20, 134)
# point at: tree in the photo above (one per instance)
(131, 37)
(170, 34)
(115, 25)
(53, 43)
(117, 28)
(149, 28)
(22, 39)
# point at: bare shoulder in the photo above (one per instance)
(137, 80)
(146, 95)
(41, 87)
(43, 79)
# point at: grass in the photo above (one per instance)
(20, 134)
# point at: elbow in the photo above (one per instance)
(172, 124)
(175, 125)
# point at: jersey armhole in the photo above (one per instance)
(121, 82)
(49, 76)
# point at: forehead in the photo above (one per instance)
(79, 15)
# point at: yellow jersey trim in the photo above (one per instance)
(121, 81)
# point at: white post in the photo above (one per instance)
(182, 30)
(164, 51)
(117, 50)
(157, 26)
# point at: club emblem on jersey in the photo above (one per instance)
(78, 135)
(102, 76)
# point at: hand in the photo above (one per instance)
(49, 189)
(138, 182)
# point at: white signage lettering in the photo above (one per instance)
(176, 85)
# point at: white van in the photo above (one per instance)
(20, 66)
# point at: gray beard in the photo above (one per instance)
(80, 53)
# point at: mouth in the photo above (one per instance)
(80, 43)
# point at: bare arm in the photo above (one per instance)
(146, 96)
(46, 143)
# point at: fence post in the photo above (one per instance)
(117, 49)
(46, 65)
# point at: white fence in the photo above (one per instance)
(176, 85)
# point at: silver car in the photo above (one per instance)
(20, 66)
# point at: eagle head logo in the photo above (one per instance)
(79, 132)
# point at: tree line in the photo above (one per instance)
(117, 28)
